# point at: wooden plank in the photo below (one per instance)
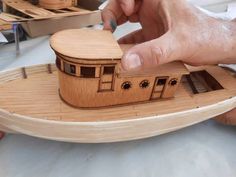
(5, 25)
(38, 13)
(12, 18)
(27, 8)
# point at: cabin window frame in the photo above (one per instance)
(87, 75)
(159, 87)
(173, 82)
(107, 71)
(144, 84)
(106, 74)
(124, 85)
(67, 68)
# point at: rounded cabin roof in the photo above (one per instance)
(86, 44)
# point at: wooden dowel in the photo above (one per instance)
(24, 73)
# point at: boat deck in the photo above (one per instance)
(37, 97)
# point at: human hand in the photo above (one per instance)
(1, 134)
(228, 118)
(171, 30)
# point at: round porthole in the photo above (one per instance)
(173, 82)
(144, 84)
(126, 85)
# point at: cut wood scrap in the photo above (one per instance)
(11, 18)
(5, 25)
(37, 13)
(77, 9)
(27, 8)
(55, 4)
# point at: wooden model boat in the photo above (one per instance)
(30, 102)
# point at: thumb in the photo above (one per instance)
(228, 118)
(152, 53)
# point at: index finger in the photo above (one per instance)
(111, 14)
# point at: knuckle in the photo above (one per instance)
(158, 53)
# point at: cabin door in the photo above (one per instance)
(107, 78)
(158, 87)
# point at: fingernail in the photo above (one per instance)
(113, 24)
(132, 61)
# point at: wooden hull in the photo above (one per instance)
(30, 104)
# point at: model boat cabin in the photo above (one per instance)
(90, 72)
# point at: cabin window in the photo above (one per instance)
(161, 82)
(69, 68)
(88, 72)
(108, 69)
(144, 84)
(126, 85)
(58, 63)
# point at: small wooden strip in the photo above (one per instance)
(6, 17)
(194, 89)
(24, 73)
(60, 11)
(5, 25)
(76, 9)
(49, 69)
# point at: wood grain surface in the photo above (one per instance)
(32, 106)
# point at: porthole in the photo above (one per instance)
(173, 82)
(144, 84)
(126, 85)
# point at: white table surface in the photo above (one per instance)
(203, 150)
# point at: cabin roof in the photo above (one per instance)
(86, 44)
(168, 69)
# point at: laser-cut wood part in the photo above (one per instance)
(5, 25)
(55, 4)
(33, 17)
(21, 10)
(32, 106)
(90, 73)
